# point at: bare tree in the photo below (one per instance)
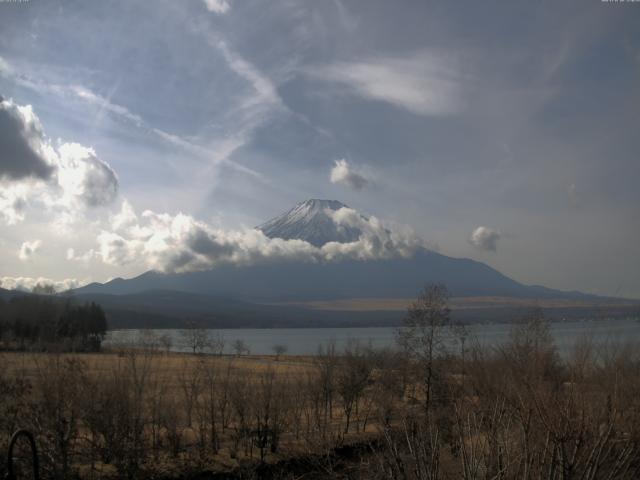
(58, 412)
(279, 350)
(166, 342)
(530, 348)
(195, 337)
(267, 408)
(353, 374)
(157, 390)
(424, 332)
(172, 425)
(222, 397)
(114, 412)
(326, 363)
(241, 403)
(216, 343)
(240, 347)
(190, 381)
(148, 340)
(208, 402)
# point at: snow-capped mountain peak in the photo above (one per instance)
(310, 221)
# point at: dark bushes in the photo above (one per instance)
(51, 323)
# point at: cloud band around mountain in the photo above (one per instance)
(27, 283)
(181, 244)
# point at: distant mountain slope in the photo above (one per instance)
(403, 277)
(309, 221)
(7, 294)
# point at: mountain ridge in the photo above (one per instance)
(345, 279)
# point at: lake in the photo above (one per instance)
(305, 341)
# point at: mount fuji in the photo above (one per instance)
(313, 221)
(310, 222)
(271, 293)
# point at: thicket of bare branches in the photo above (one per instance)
(435, 409)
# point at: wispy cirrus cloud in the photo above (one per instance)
(216, 151)
(105, 104)
(69, 91)
(425, 83)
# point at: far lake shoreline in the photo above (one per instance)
(305, 341)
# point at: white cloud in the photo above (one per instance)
(13, 203)
(125, 218)
(179, 243)
(34, 174)
(84, 258)
(424, 83)
(24, 153)
(28, 249)
(344, 174)
(485, 238)
(27, 283)
(83, 175)
(217, 6)
(115, 250)
(376, 241)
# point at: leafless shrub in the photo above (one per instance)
(15, 407)
(195, 337)
(241, 348)
(190, 380)
(423, 336)
(353, 376)
(207, 406)
(279, 350)
(56, 413)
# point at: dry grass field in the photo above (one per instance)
(172, 413)
(418, 412)
(171, 364)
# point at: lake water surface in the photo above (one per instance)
(305, 341)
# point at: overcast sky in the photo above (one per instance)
(507, 132)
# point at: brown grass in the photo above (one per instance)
(457, 303)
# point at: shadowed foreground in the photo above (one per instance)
(517, 412)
